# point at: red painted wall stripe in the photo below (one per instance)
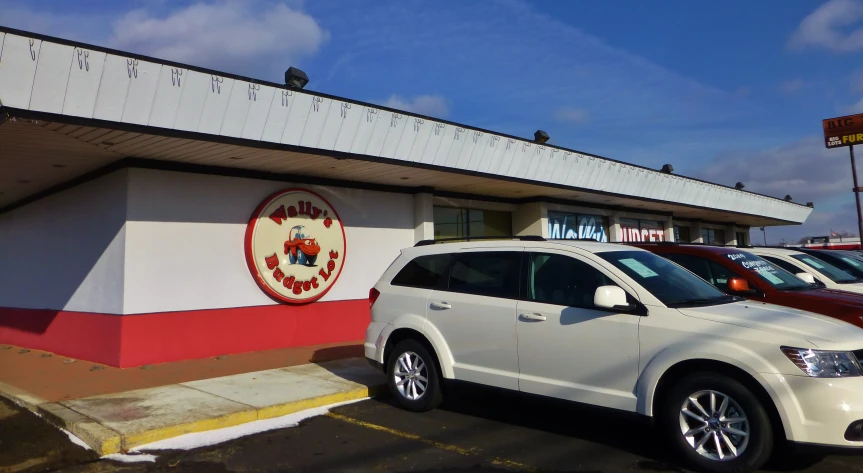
(134, 340)
(80, 335)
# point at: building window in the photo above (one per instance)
(641, 230)
(681, 234)
(470, 223)
(713, 237)
(741, 238)
(569, 226)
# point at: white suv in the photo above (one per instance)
(619, 327)
(810, 268)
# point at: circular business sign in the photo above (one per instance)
(295, 246)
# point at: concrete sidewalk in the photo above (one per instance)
(118, 421)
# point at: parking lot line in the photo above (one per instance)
(475, 452)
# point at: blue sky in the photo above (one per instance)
(726, 91)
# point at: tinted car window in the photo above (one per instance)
(693, 263)
(493, 273)
(783, 264)
(429, 272)
(719, 275)
(668, 282)
(561, 280)
(768, 272)
(846, 262)
(835, 274)
(711, 272)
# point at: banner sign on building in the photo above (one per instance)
(295, 246)
(843, 131)
(565, 226)
(641, 230)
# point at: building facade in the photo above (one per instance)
(152, 211)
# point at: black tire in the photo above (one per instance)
(432, 396)
(759, 446)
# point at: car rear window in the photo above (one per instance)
(427, 272)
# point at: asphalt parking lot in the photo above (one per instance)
(478, 430)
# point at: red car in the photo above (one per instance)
(301, 249)
(740, 273)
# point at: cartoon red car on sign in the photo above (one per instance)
(301, 249)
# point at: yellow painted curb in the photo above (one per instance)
(296, 406)
(104, 440)
(142, 438)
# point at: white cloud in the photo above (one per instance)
(792, 86)
(743, 91)
(571, 115)
(230, 34)
(805, 169)
(854, 108)
(828, 27)
(431, 105)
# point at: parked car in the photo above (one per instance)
(810, 268)
(725, 379)
(848, 261)
(739, 272)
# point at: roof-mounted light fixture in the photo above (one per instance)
(787, 198)
(739, 186)
(810, 204)
(296, 78)
(541, 136)
(667, 168)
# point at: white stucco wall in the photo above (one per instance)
(66, 251)
(185, 235)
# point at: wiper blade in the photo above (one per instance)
(802, 288)
(696, 302)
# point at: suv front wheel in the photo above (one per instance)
(717, 424)
(412, 375)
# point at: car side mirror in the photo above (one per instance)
(739, 286)
(808, 277)
(612, 297)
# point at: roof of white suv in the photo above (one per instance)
(589, 246)
(773, 251)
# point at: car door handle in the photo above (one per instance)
(536, 317)
(441, 305)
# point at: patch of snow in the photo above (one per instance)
(213, 437)
(74, 438)
(125, 458)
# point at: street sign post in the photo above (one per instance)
(847, 131)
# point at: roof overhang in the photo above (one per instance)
(70, 109)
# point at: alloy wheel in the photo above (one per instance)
(411, 376)
(714, 425)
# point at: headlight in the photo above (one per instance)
(824, 364)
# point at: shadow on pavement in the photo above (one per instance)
(29, 444)
(620, 430)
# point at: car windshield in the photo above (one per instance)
(848, 262)
(668, 282)
(768, 272)
(835, 274)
